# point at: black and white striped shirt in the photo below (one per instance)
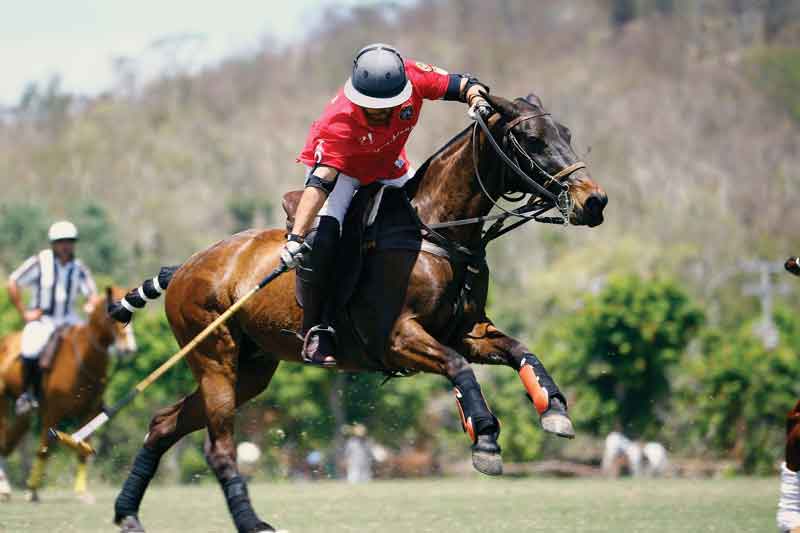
(55, 292)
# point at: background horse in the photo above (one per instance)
(72, 388)
(420, 310)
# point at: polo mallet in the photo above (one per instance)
(77, 441)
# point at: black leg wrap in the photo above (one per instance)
(544, 378)
(474, 405)
(144, 468)
(235, 490)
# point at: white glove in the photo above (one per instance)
(292, 253)
(480, 107)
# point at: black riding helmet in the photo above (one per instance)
(379, 78)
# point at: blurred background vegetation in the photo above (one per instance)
(688, 113)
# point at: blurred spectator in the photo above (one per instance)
(624, 455)
(358, 455)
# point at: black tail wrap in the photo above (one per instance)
(474, 405)
(119, 313)
(235, 490)
(144, 468)
(544, 378)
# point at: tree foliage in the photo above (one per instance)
(616, 353)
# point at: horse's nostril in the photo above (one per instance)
(595, 203)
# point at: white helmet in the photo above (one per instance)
(62, 230)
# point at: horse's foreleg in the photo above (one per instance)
(36, 476)
(414, 348)
(81, 475)
(488, 345)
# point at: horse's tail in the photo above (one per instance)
(151, 289)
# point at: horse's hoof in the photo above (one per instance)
(32, 496)
(555, 420)
(5, 497)
(130, 524)
(86, 498)
(559, 424)
(487, 463)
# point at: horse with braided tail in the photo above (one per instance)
(418, 306)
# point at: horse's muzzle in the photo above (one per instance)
(593, 209)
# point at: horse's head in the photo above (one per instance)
(123, 340)
(541, 147)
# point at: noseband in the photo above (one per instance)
(562, 201)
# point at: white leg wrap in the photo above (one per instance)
(789, 504)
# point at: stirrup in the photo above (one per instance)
(25, 404)
(304, 353)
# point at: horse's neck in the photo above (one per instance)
(97, 341)
(450, 191)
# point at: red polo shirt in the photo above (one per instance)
(341, 138)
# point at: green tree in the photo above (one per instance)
(615, 354)
(739, 393)
(23, 232)
(99, 246)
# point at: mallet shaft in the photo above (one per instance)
(84, 432)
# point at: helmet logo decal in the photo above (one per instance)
(407, 112)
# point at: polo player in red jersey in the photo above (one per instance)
(359, 139)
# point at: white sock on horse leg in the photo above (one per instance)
(789, 504)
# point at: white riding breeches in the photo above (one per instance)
(35, 336)
(346, 186)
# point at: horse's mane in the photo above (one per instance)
(413, 184)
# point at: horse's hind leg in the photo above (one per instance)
(169, 425)
(220, 450)
(418, 350)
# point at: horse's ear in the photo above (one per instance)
(109, 294)
(503, 106)
(535, 100)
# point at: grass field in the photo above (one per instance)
(463, 506)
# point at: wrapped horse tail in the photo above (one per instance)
(151, 289)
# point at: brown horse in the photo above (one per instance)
(419, 311)
(72, 388)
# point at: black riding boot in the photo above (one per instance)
(31, 386)
(316, 290)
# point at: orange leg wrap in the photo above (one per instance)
(538, 394)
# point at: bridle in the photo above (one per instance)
(562, 201)
(542, 200)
